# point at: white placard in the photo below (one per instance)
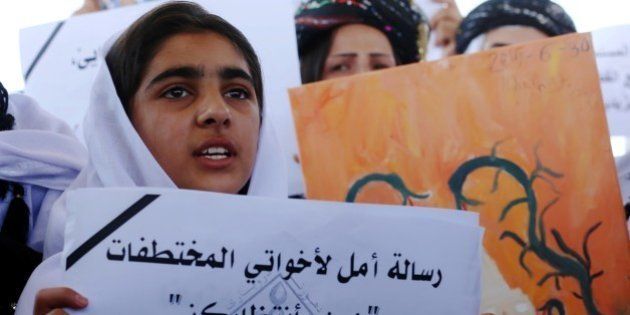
(59, 63)
(623, 168)
(143, 251)
(612, 46)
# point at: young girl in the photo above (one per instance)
(343, 38)
(180, 104)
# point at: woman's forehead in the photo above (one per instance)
(360, 37)
(209, 52)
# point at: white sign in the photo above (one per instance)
(623, 168)
(612, 46)
(59, 59)
(143, 251)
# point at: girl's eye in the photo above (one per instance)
(176, 93)
(342, 67)
(240, 94)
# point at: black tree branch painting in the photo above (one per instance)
(566, 262)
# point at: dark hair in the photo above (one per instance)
(131, 54)
(6, 120)
(313, 56)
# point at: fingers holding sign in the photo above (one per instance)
(52, 300)
(445, 24)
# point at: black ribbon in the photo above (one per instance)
(16, 222)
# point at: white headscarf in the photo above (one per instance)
(42, 154)
(476, 45)
(119, 158)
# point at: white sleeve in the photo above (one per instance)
(40, 223)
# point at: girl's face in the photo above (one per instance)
(357, 48)
(197, 112)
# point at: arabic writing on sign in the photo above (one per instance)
(82, 60)
(156, 256)
(185, 255)
(257, 309)
(613, 53)
(612, 60)
(618, 80)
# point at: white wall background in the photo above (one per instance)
(16, 14)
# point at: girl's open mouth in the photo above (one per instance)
(216, 153)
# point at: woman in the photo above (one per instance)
(340, 38)
(497, 23)
(179, 104)
(343, 38)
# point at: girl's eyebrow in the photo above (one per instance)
(229, 73)
(186, 72)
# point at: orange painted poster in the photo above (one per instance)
(517, 134)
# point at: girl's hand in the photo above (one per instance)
(53, 300)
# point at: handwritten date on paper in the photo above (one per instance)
(504, 58)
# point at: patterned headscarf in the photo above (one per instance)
(544, 15)
(402, 21)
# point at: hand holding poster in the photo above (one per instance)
(204, 253)
(516, 134)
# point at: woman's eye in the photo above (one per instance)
(380, 66)
(175, 93)
(240, 94)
